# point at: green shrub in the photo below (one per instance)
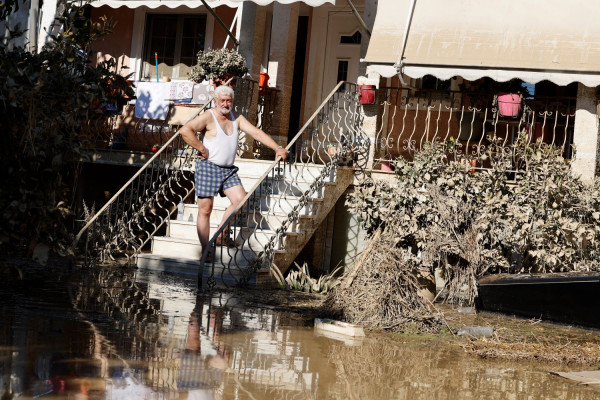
(49, 101)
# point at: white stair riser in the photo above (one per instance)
(193, 251)
(277, 187)
(251, 239)
(246, 236)
(185, 229)
(256, 169)
(276, 205)
(190, 214)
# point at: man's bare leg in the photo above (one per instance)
(235, 195)
(205, 206)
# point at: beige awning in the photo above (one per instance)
(195, 3)
(532, 40)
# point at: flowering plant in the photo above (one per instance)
(213, 64)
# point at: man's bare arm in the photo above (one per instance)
(261, 136)
(188, 133)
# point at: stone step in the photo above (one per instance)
(274, 204)
(283, 186)
(251, 241)
(256, 168)
(224, 276)
(185, 229)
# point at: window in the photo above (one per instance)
(342, 73)
(352, 39)
(433, 83)
(175, 39)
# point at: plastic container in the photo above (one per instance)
(509, 104)
(263, 81)
(180, 208)
(476, 331)
(366, 94)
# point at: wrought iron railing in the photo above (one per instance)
(123, 131)
(141, 208)
(407, 119)
(286, 192)
(267, 220)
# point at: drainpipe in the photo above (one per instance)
(220, 21)
(400, 64)
(359, 18)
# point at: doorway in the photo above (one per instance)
(342, 51)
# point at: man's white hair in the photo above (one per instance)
(224, 91)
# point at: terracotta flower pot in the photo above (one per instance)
(222, 79)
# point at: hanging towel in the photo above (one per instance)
(181, 91)
(201, 93)
(152, 100)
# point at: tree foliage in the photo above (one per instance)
(525, 213)
(48, 101)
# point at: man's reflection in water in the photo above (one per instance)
(202, 364)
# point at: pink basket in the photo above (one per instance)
(509, 104)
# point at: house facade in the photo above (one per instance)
(431, 69)
(459, 52)
(304, 47)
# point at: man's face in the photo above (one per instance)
(224, 103)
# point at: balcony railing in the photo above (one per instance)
(122, 131)
(407, 119)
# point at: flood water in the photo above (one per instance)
(120, 334)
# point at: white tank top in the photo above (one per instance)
(223, 147)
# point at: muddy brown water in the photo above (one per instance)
(121, 334)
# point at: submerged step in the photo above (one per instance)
(229, 275)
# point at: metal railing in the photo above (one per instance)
(407, 119)
(282, 196)
(123, 131)
(267, 219)
(140, 209)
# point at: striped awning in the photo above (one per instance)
(533, 40)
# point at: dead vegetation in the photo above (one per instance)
(523, 214)
(384, 292)
(565, 354)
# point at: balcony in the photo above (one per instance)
(122, 138)
(406, 119)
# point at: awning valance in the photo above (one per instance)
(195, 3)
(532, 40)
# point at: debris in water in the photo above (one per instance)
(476, 331)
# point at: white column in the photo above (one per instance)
(49, 12)
(585, 138)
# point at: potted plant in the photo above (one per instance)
(217, 66)
(507, 96)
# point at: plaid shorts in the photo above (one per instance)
(211, 179)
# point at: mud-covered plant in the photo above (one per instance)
(212, 64)
(299, 279)
(442, 215)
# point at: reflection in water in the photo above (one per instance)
(118, 334)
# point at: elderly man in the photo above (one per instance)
(215, 172)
